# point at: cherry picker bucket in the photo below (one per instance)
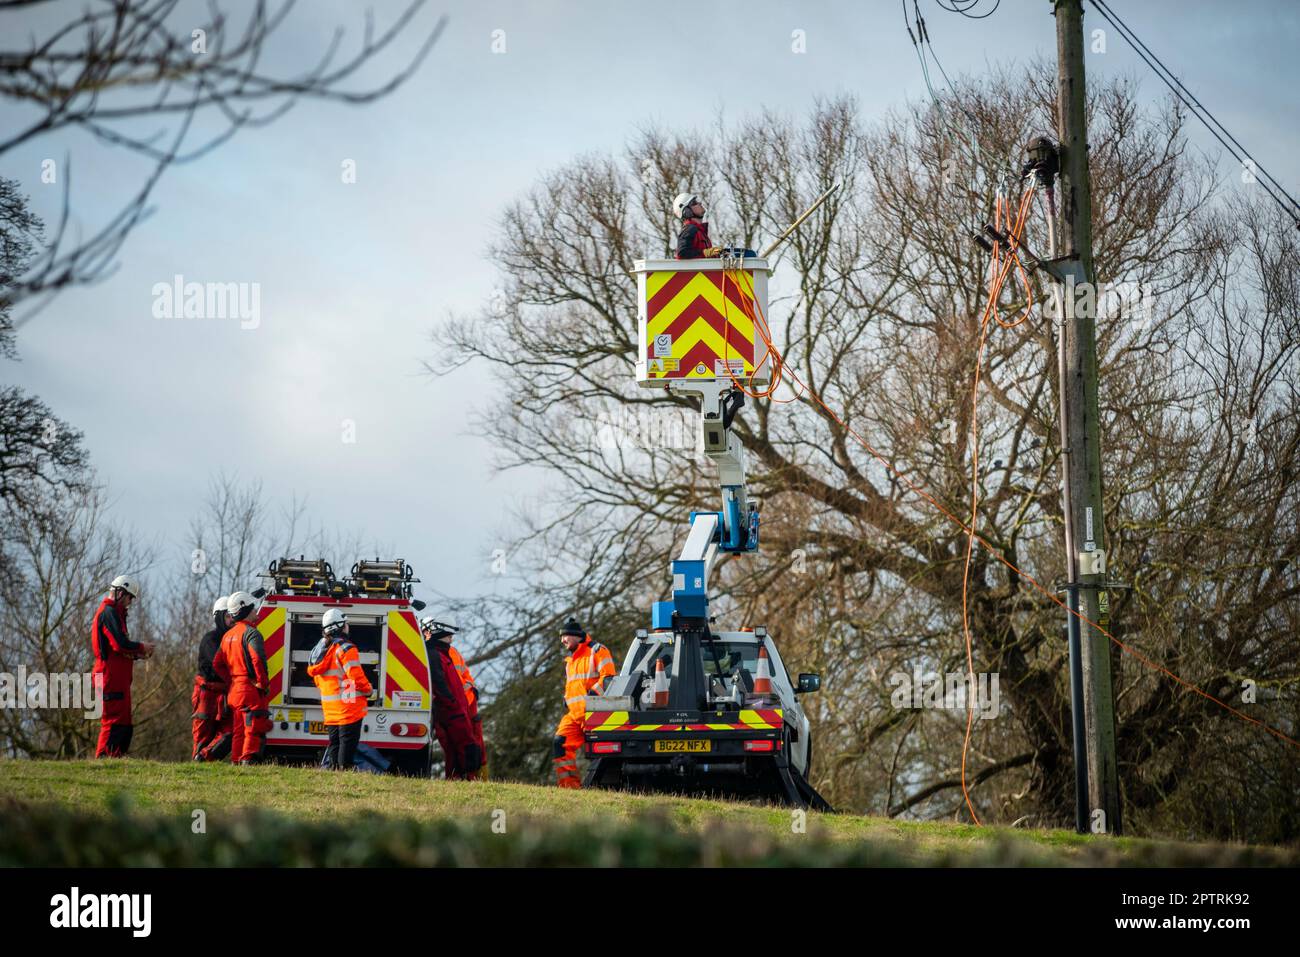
(697, 319)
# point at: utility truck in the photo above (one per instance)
(697, 709)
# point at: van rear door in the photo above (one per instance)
(405, 665)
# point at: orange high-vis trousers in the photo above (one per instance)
(564, 748)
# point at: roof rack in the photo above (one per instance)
(304, 576)
(378, 577)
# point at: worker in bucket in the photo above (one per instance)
(588, 668)
(115, 657)
(462, 748)
(241, 664)
(335, 665)
(693, 240)
(210, 720)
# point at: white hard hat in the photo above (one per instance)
(681, 202)
(445, 623)
(220, 605)
(128, 585)
(238, 601)
(332, 620)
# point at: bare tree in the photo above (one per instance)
(876, 306)
(186, 65)
(39, 453)
(58, 553)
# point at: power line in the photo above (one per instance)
(1216, 128)
(921, 42)
(964, 6)
(918, 39)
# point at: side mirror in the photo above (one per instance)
(809, 683)
(417, 604)
(259, 592)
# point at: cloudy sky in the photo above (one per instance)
(352, 277)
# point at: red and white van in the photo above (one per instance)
(382, 624)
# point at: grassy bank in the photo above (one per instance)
(56, 814)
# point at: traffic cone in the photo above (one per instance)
(763, 680)
(661, 685)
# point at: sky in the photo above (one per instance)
(352, 277)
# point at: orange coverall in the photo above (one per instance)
(586, 671)
(241, 664)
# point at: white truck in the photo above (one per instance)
(716, 733)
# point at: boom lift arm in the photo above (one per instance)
(733, 529)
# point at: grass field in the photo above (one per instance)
(55, 814)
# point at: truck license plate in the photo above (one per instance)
(317, 727)
(684, 744)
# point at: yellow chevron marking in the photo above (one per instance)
(655, 281)
(275, 664)
(401, 628)
(271, 623)
(615, 719)
(701, 288)
(405, 681)
(703, 332)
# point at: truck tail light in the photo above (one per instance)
(760, 745)
(606, 747)
(409, 730)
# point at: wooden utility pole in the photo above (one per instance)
(1082, 455)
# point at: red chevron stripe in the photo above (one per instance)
(421, 672)
(665, 294)
(274, 643)
(737, 296)
(702, 352)
(678, 282)
(397, 648)
(701, 309)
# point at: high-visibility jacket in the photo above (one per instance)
(343, 684)
(586, 671)
(241, 663)
(466, 679)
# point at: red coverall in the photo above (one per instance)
(241, 663)
(210, 720)
(451, 717)
(115, 654)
